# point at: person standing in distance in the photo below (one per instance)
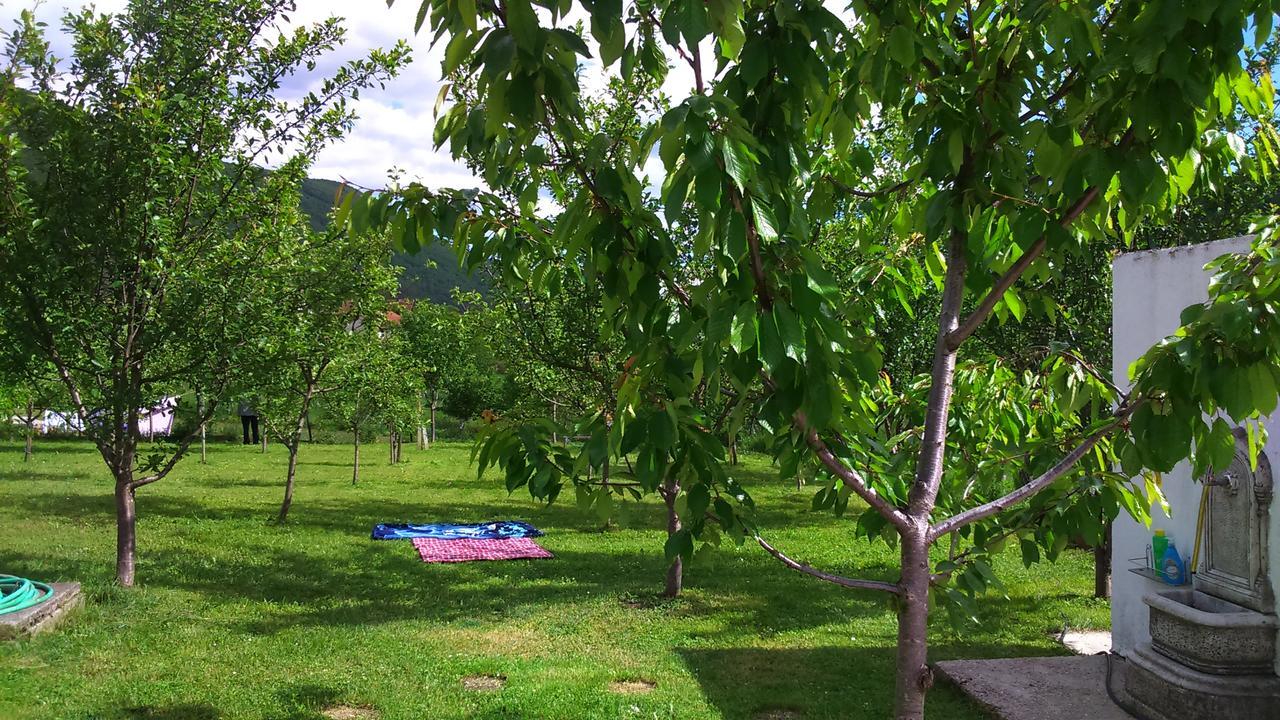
(248, 419)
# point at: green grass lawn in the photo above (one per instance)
(235, 617)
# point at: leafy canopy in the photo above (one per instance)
(1021, 131)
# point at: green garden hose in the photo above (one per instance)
(20, 593)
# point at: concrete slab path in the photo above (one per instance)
(1087, 642)
(1046, 688)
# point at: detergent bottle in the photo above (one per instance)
(1172, 567)
(1159, 544)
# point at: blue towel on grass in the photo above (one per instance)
(449, 531)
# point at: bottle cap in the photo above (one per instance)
(1159, 532)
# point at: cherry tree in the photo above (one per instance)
(1023, 131)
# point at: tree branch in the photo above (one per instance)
(986, 510)
(893, 588)
(1006, 281)
(753, 242)
(833, 464)
(851, 477)
(180, 451)
(850, 190)
(970, 324)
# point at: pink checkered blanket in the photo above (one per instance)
(447, 551)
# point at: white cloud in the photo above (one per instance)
(395, 124)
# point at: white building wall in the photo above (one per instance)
(1150, 290)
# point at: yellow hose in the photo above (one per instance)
(1204, 502)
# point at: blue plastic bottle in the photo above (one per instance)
(1172, 566)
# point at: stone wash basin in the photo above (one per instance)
(1211, 634)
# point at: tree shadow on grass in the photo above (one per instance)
(13, 451)
(322, 570)
(45, 474)
(790, 511)
(326, 572)
(182, 711)
(302, 461)
(300, 702)
(305, 701)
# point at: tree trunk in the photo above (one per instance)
(264, 434)
(675, 571)
(434, 401)
(422, 429)
(391, 444)
(126, 529)
(355, 464)
(310, 438)
(290, 474)
(31, 433)
(914, 678)
(1102, 565)
(294, 440)
(204, 452)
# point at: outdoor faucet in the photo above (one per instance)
(1226, 479)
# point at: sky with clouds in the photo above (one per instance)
(395, 124)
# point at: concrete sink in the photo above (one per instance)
(1210, 634)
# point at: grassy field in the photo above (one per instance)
(235, 617)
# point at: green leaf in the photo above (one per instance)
(902, 45)
(1030, 552)
(1015, 304)
(535, 155)
(680, 544)
(771, 349)
(585, 497)
(766, 225)
(612, 39)
(650, 464)
(693, 21)
(1263, 385)
(1220, 445)
(458, 48)
(1162, 440)
(662, 430)
(522, 21)
(935, 265)
(789, 330)
(743, 335)
(1230, 387)
(735, 162)
(955, 150)
(426, 5)
(726, 22)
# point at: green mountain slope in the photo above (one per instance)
(432, 273)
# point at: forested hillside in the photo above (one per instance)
(432, 273)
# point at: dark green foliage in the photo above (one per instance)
(1023, 135)
(132, 243)
(433, 272)
(1072, 306)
